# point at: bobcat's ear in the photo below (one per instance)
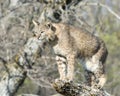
(35, 23)
(51, 27)
(49, 24)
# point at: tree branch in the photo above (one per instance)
(102, 5)
(12, 79)
(15, 72)
(73, 89)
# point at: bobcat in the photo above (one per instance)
(69, 43)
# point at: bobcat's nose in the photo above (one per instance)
(39, 37)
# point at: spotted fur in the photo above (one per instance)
(70, 42)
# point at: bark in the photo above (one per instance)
(15, 72)
(73, 89)
(12, 78)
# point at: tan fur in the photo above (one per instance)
(70, 42)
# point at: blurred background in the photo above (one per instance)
(16, 28)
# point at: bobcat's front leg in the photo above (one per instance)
(70, 67)
(61, 63)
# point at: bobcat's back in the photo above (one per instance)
(84, 41)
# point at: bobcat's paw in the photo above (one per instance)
(68, 80)
(58, 80)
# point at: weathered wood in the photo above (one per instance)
(74, 89)
(15, 72)
(12, 78)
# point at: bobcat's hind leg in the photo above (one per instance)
(100, 76)
(95, 66)
(90, 78)
(61, 63)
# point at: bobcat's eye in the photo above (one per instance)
(42, 31)
(34, 33)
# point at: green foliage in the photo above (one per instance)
(112, 40)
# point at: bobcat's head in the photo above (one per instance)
(45, 31)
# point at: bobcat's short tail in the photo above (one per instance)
(102, 52)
